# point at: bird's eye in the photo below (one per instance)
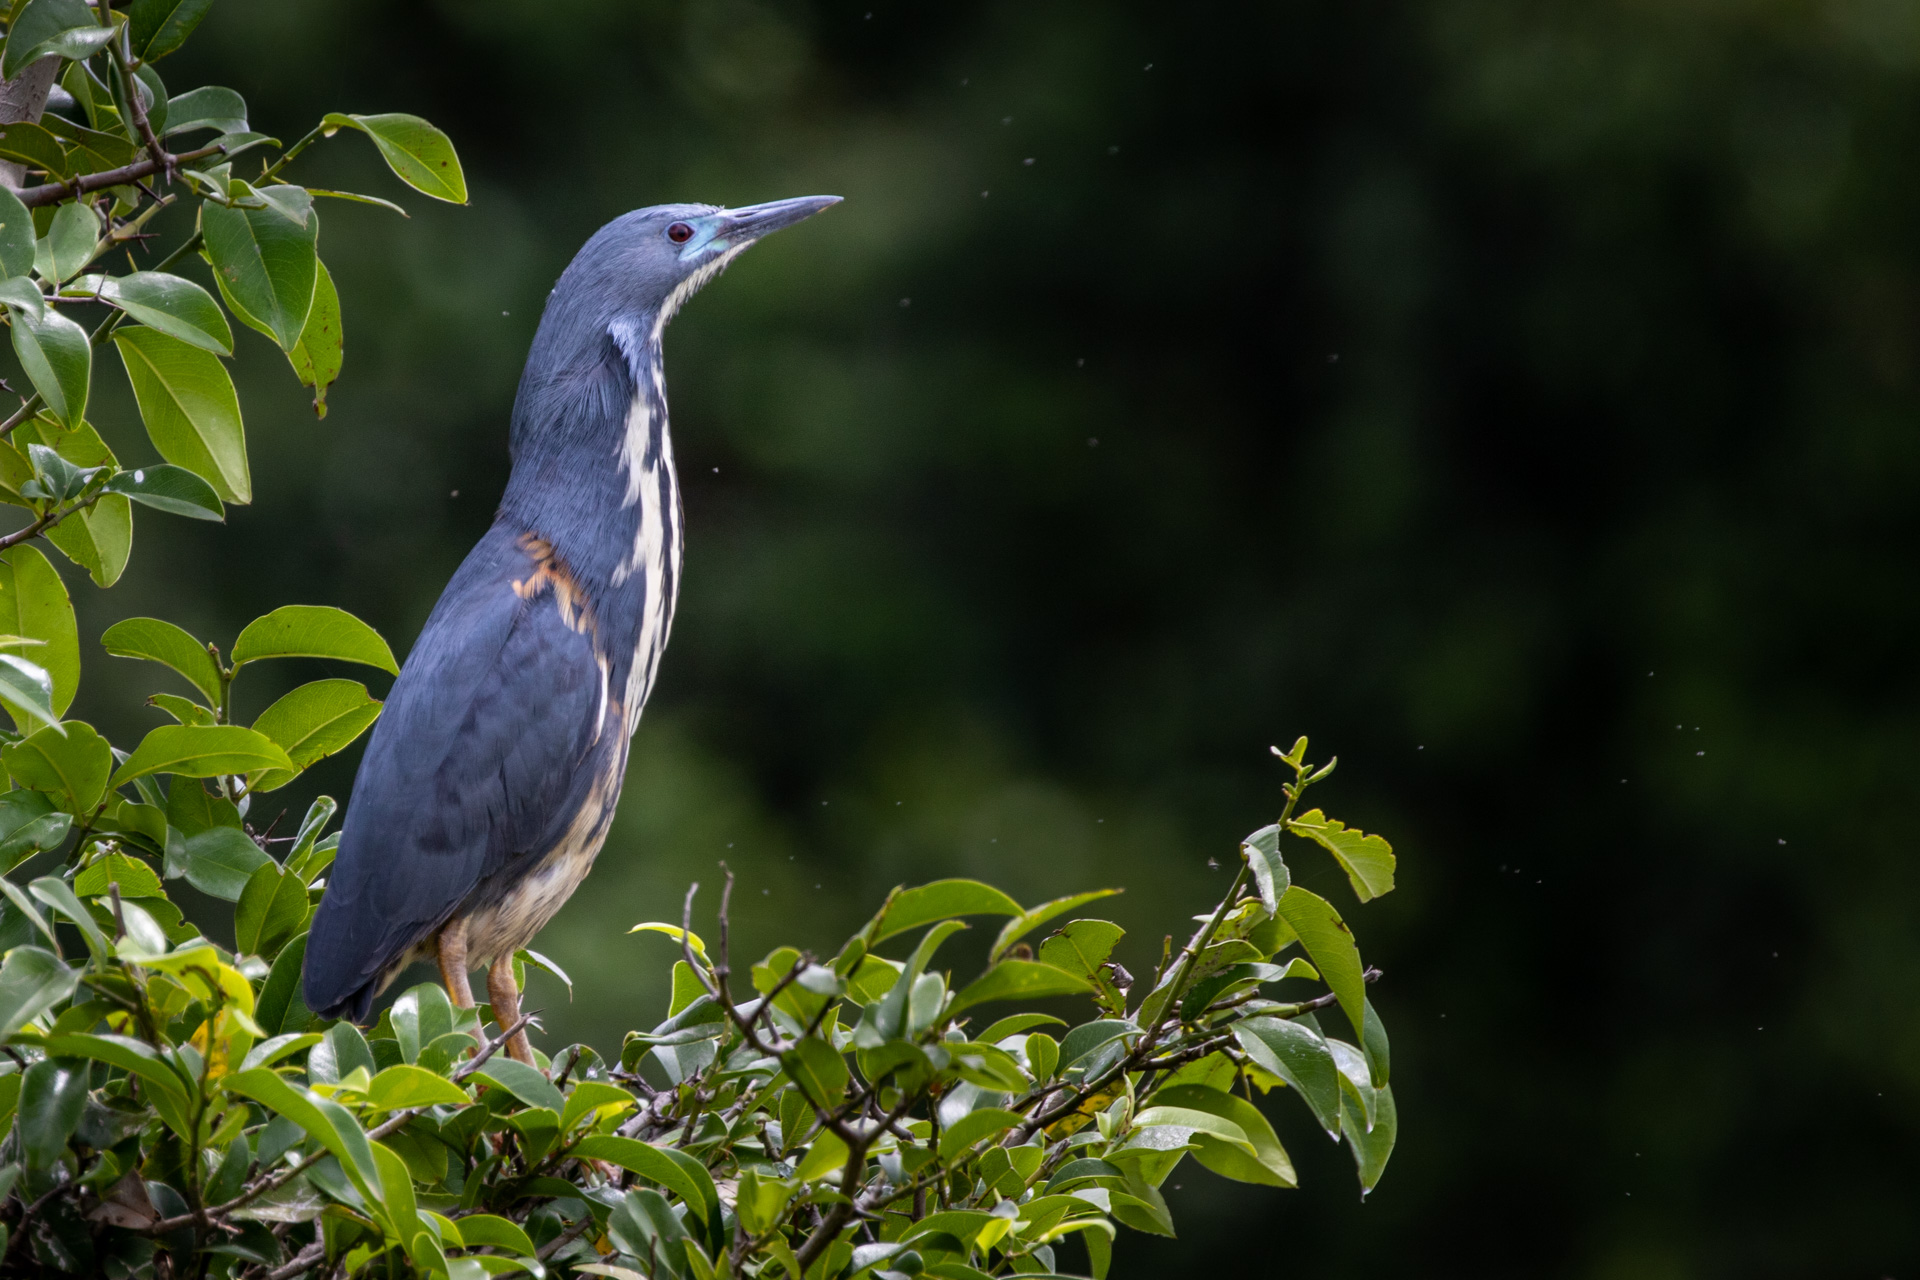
(680, 232)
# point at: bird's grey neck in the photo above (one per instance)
(593, 469)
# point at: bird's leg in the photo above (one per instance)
(452, 948)
(505, 994)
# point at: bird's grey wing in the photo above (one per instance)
(472, 763)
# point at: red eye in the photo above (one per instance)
(680, 233)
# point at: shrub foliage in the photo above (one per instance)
(171, 1108)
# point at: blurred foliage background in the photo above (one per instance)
(1520, 399)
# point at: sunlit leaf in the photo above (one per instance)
(318, 356)
(1019, 980)
(1367, 860)
(197, 751)
(419, 154)
(313, 631)
(70, 763)
(190, 408)
(1329, 944)
(314, 721)
(941, 900)
(34, 603)
(153, 640)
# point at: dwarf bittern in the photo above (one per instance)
(490, 781)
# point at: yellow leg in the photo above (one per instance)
(453, 964)
(505, 994)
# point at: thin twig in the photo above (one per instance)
(566, 1237)
(303, 1262)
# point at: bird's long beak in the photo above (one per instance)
(756, 220)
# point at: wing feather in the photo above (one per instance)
(472, 764)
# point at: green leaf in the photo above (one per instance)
(24, 902)
(184, 710)
(265, 262)
(272, 908)
(313, 722)
(327, 1123)
(941, 900)
(270, 1051)
(58, 360)
(165, 303)
(27, 690)
(34, 603)
(1329, 944)
(419, 154)
(153, 640)
(57, 894)
(16, 231)
(220, 861)
(317, 357)
(588, 1097)
(819, 1070)
(524, 1082)
(1367, 860)
(194, 751)
(32, 826)
(1082, 947)
(486, 1230)
(404, 1086)
(135, 878)
(827, 1155)
(1267, 1164)
(64, 27)
(1371, 1147)
(887, 1018)
(1270, 875)
(1014, 1024)
(313, 631)
(1027, 921)
(130, 1055)
(280, 1009)
(172, 489)
(974, 1126)
(190, 408)
(654, 1163)
(71, 767)
(52, 1095)
(208, 107)
(155, 28)
(420, 1017)
(34, 146)
(1300, 1056)
(22, 294)
(32, 981)
(526, 957)
(1018, 980)
(98, 538)
(1379, 1054)
(69, 243)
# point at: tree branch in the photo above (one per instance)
(55, 192)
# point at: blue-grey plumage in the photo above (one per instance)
(490, 780)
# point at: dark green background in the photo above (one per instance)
(1519, 399)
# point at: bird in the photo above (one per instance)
(490, 779)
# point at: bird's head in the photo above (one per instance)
(638, 269)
